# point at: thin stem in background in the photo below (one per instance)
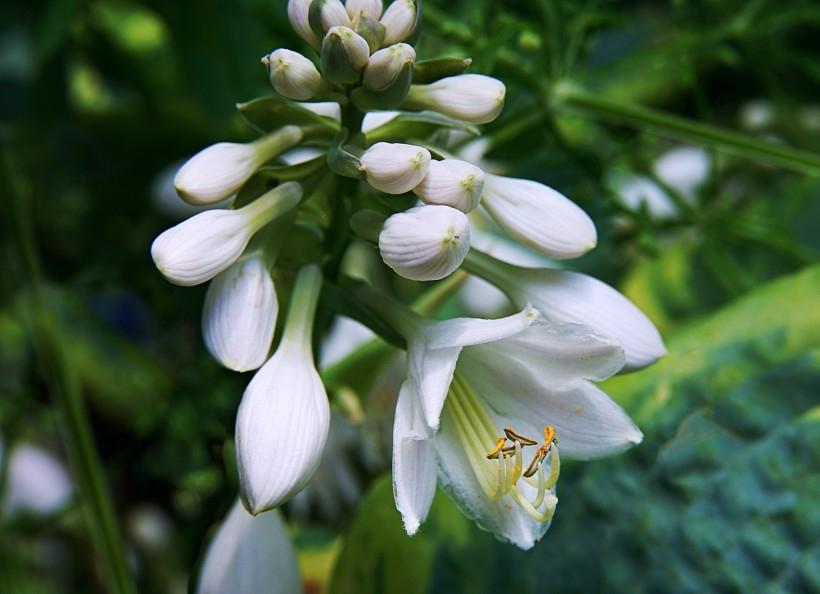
(65, 388)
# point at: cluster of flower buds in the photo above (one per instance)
(336, 154)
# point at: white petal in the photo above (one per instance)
(36, 482)
(425, 243)
(334, 14)
(452, 183)
(281, 429)
(353, 44)
(299, 16)
(506, 520)
(539, 216)
(250, 555)
(292, 75)
(399, 21)
(473, 98)
(374, 119)
(472, 331)
(371, 8)
(414, 466)
(563, 353)
(326, 109)
(684, 169)
(385, 65)
(240, 314)
(395, 168)
(588, 423)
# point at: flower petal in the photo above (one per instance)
(471, 331)
(414, 468)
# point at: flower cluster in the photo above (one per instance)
(487, 404)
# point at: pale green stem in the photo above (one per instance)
(278, 142)
(571, 98)
(273, 204)
(494, 271)
(403, 319)
(303, 301)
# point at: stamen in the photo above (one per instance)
(536, 462)
(497, 448)
(513, 436)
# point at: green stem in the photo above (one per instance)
(680, 128)
(52, 356)
(303, 301)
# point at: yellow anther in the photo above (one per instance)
(549, 435)
(497, 448)
(513, 436)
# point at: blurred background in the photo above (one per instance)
(692, 138)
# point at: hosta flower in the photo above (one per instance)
(37, 482)
(470, 97)
(399, 21)
(299, 16)
(370, 8)
(426, 242)
(201, 247)
(292, 75)
(240, 314)
(344, 54)
(333, 14)
(220, 170)
(395, 168)
(539, 216)
(283, 420)
(386, 64)
(564, 296)
(684, 169)
(452, 183)
(486, 408)
(250, 555)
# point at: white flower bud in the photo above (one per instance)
(326, 109)
(539, 217)
(370, 8)
(386, 64)
(453, 183)
(352, 47)
(250, 555)
(399, 21)
(240, 313)
(201, 247)
(284, 418)
(473, 98)
(395, 168)
(425, 243)
(334, 14)
(37, 482)
(299, 16)
(292, 75)
(218, 171)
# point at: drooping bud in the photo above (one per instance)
(240, 314)
(425, 243)
(474, 98)
(538, 216)
(344, 54)
(386, 64)
(395, 168)
(298, 14)
(453, 183)
(369, 8)
(201, 247)
(399, 21)
(292, 75)
(283, 420)
(220, 170)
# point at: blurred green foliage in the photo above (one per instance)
(97, 98)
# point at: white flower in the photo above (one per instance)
(375, 119)
(538, 216)
(478, 398)
(638, 192)
(399, 21)
(452, 183)
(473, 98)
(292, 75)
(370, 8)
(283, 420)
(240, 314)
(299, 16)
(36, 482)
(684, 169)
(250, 555)
(386, 64)
(198, 249)
(333, 14)
(564, 296)
(395, 168)
(218, 171)
(326, 109)
(344, 54)
(425, 243)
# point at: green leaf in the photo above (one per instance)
(417, 124)
(270, 113)
(428, 71)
